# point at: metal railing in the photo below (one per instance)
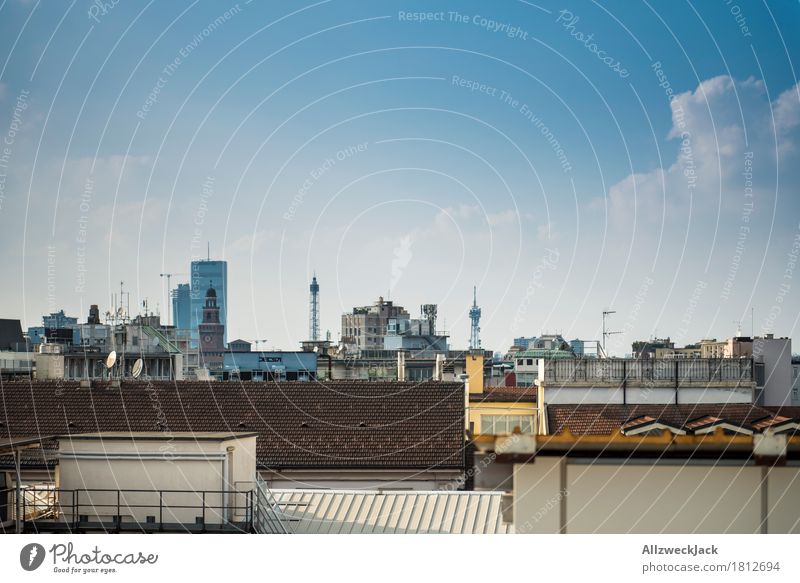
(268, 518)
(676, 370)
(91, 508)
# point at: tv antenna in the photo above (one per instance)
(607, 333)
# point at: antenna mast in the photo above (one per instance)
(606, 333)
(475, 318)
(313, 310)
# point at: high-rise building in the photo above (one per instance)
(182, 306)
(206, 274)
(365, 327)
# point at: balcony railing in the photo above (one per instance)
(676, 371)
(49, 509)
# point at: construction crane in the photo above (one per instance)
(169, 294)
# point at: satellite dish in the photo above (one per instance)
(111, 359)
(137, 368)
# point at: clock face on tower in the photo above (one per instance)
(206, 338)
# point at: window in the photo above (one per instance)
(500, 424)
(530, 362)
(520, 361)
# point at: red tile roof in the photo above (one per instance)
(607, 419)
(511, 394)
(300, 424)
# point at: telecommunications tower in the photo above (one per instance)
(475, 318)
(313, 310)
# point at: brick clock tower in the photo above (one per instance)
(211, 333)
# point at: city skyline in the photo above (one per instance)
(483, 146)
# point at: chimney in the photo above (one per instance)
(401, 365)
(438, 371)
(475, 371)
(541, 406)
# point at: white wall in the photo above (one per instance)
(157, 464)
(644, 496)
(776, 353)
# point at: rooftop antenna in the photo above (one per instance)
(111, 359)
(607, 333)
(137, 368)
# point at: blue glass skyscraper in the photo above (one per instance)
(181, 306)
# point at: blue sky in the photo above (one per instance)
(564, 157)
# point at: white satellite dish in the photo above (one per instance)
(137, 368)
(111, 359)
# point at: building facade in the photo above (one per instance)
(182, 306)
(365, 327)
(212, 332)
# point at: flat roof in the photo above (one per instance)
(161, 435)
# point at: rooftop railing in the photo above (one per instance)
(50, 509)
(674, 370)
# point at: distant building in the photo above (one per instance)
(58, 320)
(270, 366)
(182, 306)
(204, 273)
(523, 342)
(212, 332)
(647, 348)
(94, 315)
(688, 351)
(417, 335)
(772, 358)
(365, 327)
(56, 327)
(16, 360)
(239, 345)
(578, 347)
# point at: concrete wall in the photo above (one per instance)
(153, 465)
(644, 496)
(776, 354)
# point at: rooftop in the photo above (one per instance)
(300, 425)
(609, 419)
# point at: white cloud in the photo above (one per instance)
(712, 127)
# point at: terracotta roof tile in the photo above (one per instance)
(504, 394)
(300, 424)
(607, 419)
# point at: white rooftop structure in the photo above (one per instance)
(393, 512)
